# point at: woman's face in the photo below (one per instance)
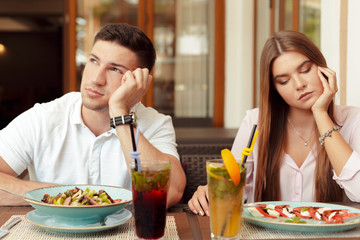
(296, 80)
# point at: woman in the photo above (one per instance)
(307, 148)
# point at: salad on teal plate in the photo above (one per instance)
(91, 205)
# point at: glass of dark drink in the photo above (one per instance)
(150, 182)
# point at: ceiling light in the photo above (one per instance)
(2, 48)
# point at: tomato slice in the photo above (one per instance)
(335, 219)
(262, 211)
(339, 217)
(313, 211)
(349, 215)
(282, 206)
(279, 209)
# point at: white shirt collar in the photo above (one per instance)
(76, 112)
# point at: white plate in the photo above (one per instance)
(309, 226)
(63, 225)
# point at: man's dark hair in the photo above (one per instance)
(132, 38)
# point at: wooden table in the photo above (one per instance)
(10, 205)
(183, 228)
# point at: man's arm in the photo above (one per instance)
(134, 86)
(177, 182)
(9, 180)
(148, 153)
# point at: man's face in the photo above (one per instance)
(107, 63)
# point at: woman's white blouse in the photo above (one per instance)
(297, 184)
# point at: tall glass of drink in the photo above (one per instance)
(149, 188)
(225, 200)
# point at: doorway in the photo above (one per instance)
(31, 62)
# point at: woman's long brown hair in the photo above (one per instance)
(273, 111)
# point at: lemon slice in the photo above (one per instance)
(231, 166)
(212, 174)
(213, 166)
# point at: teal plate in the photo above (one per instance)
(310, 225)
(64, 225)
(79, 214)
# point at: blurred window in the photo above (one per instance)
(309, 22)
(182, 34)
(298, 15)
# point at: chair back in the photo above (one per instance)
(193, 159)
(195, 168)
(202, 148)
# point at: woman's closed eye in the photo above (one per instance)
(283, 81)
(306, 68)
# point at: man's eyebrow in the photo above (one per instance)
(94, 56)
(297, 68)
(119, 65)
(112, 63)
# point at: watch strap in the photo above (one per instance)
(121, 120)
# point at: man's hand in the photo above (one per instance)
(134, 86)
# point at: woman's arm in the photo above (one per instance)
(336, 147)
(342, 152)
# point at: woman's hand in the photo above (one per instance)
(330, 89)
(199, 203)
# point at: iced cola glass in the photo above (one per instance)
(225, 199)
(149, 188)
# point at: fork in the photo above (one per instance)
(4, 230)
(19, 195)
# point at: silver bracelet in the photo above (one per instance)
(328, 134)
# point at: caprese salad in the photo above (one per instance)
(300, 214)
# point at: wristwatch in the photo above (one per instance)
(121, 120)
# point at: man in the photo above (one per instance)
(70, 141)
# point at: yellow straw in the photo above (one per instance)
(247, 151)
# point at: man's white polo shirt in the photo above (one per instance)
(52, 141)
